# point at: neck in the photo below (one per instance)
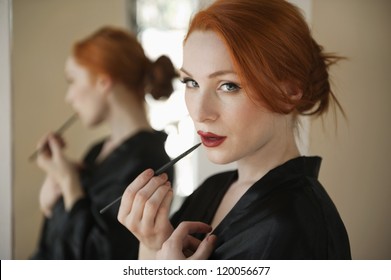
(127, 116)
(278, 151)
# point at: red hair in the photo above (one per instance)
(117, 53)
(270, 45)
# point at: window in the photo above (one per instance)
(161, 26)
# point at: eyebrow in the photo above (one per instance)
(214, 74)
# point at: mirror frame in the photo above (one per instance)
(5, 130)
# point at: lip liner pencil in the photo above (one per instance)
(60, 130)
(157, 172)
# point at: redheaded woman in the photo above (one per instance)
(250, 69)
(108, 74)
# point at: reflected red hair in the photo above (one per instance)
(117, 53)
(271, 45)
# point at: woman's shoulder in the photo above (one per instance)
(145, 140)
(292, 194)
(303, 206)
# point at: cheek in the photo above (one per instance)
(75, 93)
(239, 116)
(190, 103)
(88, 104)
(250, 124)
(85, 95)
(97, 109)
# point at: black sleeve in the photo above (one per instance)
(84, 233)
(77, 224)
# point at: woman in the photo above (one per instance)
(108, 75)
(250, 69)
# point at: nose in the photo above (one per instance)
(202, 106)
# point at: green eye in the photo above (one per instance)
(229, 87)
(190, 83)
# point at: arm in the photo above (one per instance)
(49, 194)
(82, 232)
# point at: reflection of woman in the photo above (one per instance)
(107, 74)
(250, 68)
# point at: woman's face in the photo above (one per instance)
(84, 94)
(231, 126)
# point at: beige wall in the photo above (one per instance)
(43, 32)
(355, 167)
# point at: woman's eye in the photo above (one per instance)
(229, 87)
(190, 83)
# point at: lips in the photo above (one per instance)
(211, 140)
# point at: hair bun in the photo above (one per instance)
(161, 75)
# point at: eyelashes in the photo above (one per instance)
(190, 83)
(226, 87)
(230, 87)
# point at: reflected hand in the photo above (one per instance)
(49, 194)
(183, 246)
(52, 160)
(60, 169)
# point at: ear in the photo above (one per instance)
(294, 94)
(104, 83)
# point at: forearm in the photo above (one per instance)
(72, 191)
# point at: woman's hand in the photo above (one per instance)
(182, 246)
(144, 210)
(62, 171)
(51, 158)
(49, 194)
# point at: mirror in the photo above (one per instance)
(43, 33)
(5, 132)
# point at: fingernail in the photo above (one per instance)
(149, 172)
(212, 238)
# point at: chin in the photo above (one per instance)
(86, 122)
(89, 121)
(89, 125)
(92, 124)
(219, 157)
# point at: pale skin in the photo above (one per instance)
(256, 138)
(96, 100)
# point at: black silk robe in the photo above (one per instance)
(84, 233)
(287, 214)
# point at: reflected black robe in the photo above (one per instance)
(84, 233)
(287, 214)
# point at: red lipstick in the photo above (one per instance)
(211, 140)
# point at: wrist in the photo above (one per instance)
(146, 253)
(71, 191)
